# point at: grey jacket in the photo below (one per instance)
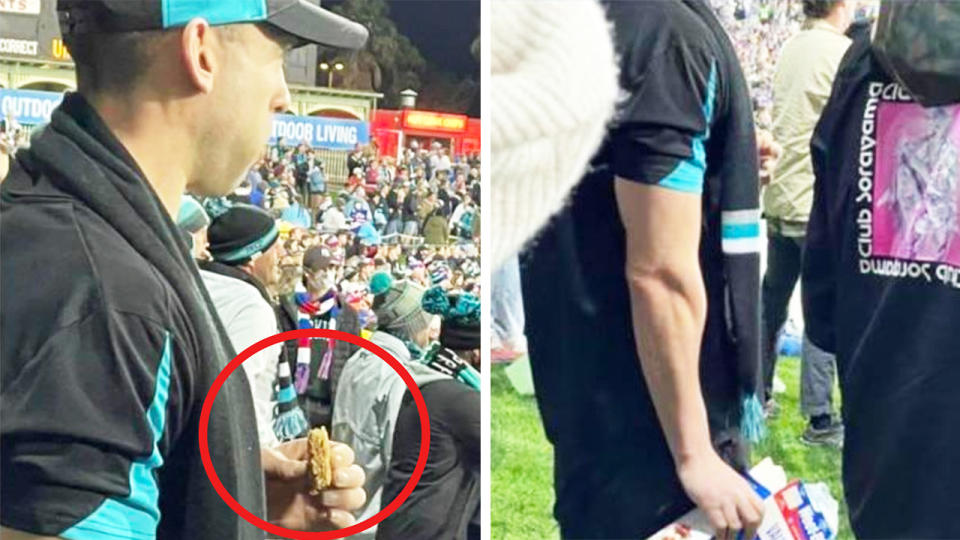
(365, 412)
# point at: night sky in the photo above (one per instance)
(442, 29)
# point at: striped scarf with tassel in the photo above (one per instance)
(314, 313)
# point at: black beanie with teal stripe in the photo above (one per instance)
(238, 232)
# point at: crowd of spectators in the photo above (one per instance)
(416, 218)
(758, 30)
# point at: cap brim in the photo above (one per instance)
(312, 24)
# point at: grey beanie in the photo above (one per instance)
(397, 306)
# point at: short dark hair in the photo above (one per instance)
(117, 62)
(112, 62)
(819, 9)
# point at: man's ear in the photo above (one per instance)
(198, 54)
(248, 267)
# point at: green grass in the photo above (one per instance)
(522, 463)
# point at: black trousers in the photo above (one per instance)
(784, 261)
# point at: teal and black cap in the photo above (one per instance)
(300, 18)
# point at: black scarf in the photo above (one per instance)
(80, 155)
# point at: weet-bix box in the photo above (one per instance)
(793, 510)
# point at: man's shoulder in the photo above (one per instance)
(61, 260)
(653, 25)
(813, 44)
(232, 295)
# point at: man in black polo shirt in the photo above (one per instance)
(642, 295)
(110, 343)
(881, 276)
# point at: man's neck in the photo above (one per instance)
(838, 19)
(159, 150)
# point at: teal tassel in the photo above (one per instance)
(290, 424)
(470, 377)
(751, 420)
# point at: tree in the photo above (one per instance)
(443, 91)
(389, 63)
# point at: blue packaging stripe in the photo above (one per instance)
(180, 12)
(757, 487)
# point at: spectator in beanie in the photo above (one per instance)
(370, 392)
(804, 77)
(194, 220)
(102, 442)
(244, 268)
(447, 499)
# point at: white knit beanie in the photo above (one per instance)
(554, 83)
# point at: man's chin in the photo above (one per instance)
(206, 189)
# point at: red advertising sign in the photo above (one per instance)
(434, 121)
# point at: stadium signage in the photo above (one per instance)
(320, 132)
(58, 50)
(22, 7)
(18, 46)
(434, 121)
(30, 107)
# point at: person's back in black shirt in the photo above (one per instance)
(448, 494)
(881, 289)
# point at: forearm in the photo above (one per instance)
(669, 310)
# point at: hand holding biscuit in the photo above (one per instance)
(293, 498)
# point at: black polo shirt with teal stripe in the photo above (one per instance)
(101, 385)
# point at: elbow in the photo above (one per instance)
(664, 287)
